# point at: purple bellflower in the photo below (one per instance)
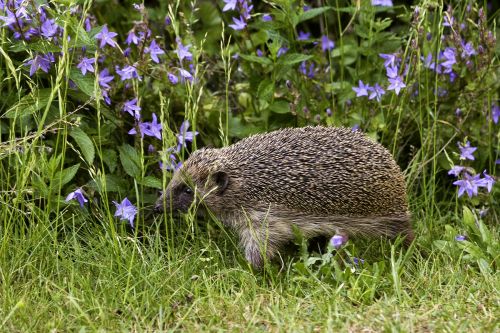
(88, 24)
(391, 71)
(86, 65)
(303, 69)
(77, 195)
(154, 51)
(126, 211)
(267, 18)
(154, 128)
(362, 89)
(281, 51)
(239, 24)
(495, 113)
(171, 163)
(468, 184)
(466, 152)
(41, 61)
(460, 238)
(229, 5)
(387, 3)
(396, 84)
(390, 59)
(326, 43)
(357, 261)
(10, 20)
(185, 74)
(173, 79)
(376, 92)
(127, 72)
(183, 51)
(105, 78)
(430, 64)
(303, 36)
(143, 129)
(106, 97)
(487, 181)
(132, 108)
(337, 241)
(246, 8)
(456, 170)
(467, 50)
(132, 38)
(184, 135)
(106, 37)
(49, 29)
(449, 59)
(448, 20)
(126, 52)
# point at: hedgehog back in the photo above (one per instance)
(321, 170)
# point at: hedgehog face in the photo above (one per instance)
(192, 179)
(178, 195)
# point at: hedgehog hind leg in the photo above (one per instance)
(401, 226)
(409, 236)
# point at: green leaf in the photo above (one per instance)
(350, 10)
(83, 141)
(293, 58)
(83, 38)
(313, 12)
(39, 185)
(113, 183)
(29, 104)
(265, 90)
(472, 249)
(280, 107)
(39, 46)
(65, 176)
(110, 158)
(84, 82)
(484, 266)
(130, 160)
(380, 25)
(253, 58)
(150, 181)
(348, 54)
(468, 218)
(337, 86)
(242, 129)
(441, 245)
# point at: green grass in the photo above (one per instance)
(93, 278)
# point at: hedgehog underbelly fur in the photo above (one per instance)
(321, 179)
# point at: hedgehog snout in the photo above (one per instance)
(158, 207)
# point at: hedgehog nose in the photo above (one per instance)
(158, 209)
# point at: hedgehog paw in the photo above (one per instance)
(254, 256)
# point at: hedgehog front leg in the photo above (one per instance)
(262, 241)
(257, 247)
(253, 252)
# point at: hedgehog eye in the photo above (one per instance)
(188, 190)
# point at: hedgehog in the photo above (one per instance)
(320, 180)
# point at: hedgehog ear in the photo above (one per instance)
(221, 178)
